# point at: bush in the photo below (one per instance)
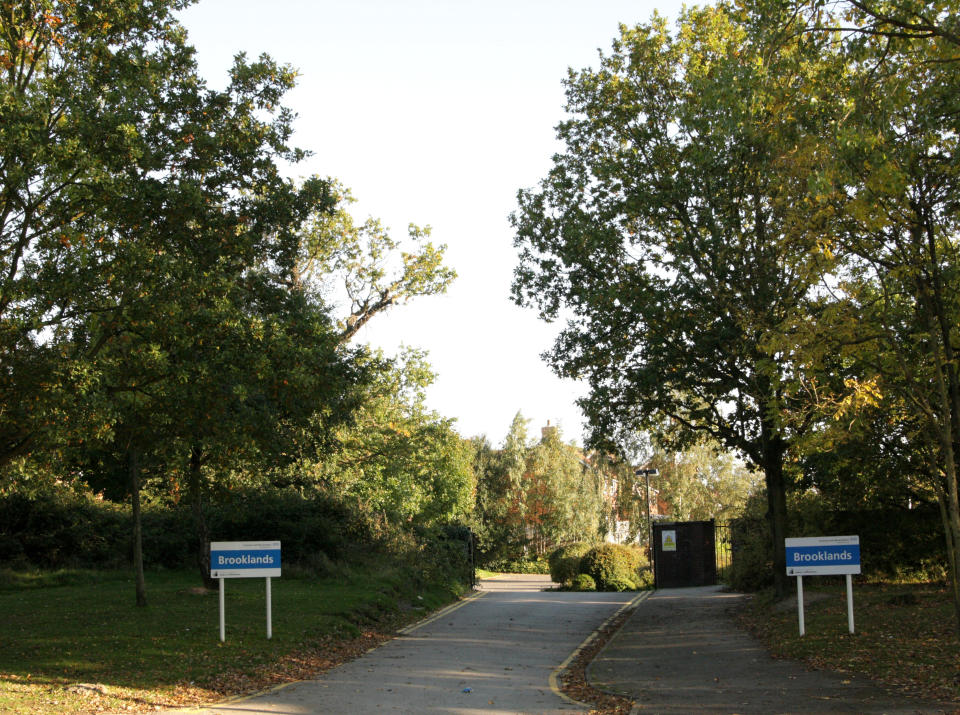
(612, 562)
(896, 544)
(619, 584)
(70, 530)
(583, 582)
(62, 530)
(644, 580)
(565, 561)
(751, 564)
(539, 566)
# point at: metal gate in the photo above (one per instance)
(684, 554)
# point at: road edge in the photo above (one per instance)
(556, 675)
(406, 630)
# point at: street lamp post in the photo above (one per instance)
(647, 473)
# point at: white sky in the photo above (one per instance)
(436, 112)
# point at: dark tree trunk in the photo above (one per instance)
(133, 470)
(773, 454)
(200, 530)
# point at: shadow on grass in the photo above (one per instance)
(65, 646)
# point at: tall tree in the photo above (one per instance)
(560, 495)
(499, 482)
(897, 198)
(115, 161)
(138, 208)
(669, 235)
(531, 497)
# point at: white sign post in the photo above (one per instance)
(823, 556)
(244, 559)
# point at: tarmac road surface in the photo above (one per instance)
(494, 653)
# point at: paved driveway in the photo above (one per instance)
(492, 654)
(681, 652)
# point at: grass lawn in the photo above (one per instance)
(906, 634)
(75, 641)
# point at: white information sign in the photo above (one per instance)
(823, 556)
(244, 559)
(668, 540)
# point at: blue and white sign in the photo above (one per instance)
(823, 556)
(244, 559)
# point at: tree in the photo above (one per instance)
(560, 495)
(395, 459)
(896, 193)
(703, 483)
(499, 480)
(671, 235)
(363, 267)
(139, 210)
(532, 497)
(115, 158)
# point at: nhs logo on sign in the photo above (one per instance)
(244, 559)
(823, 556)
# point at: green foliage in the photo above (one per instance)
(644, 580)
(703, 482)
(531, 497)
(612, 563)
(363, 267)
(618, 584)
(897, 544)
(893, 188)
(537, 566)
(317, 533)
(565, 561)
(499, 478)
(669, 234)
(583, 582)
(66, 530)
(395, 460)
(132, 218)
(751, 567)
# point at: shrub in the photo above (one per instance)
(619, 584)
(644, 580)
(540, 566)
(610, 562)
(751, 565)
(897, 544)
(583, 582)
(565, 561)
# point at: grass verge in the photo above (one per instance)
(73, 641)
(906, 634)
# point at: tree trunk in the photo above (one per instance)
(952, 533)
(195, 490)
(944, 412)
(773, 452)
(133, 470)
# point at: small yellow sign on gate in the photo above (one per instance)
(669, 540)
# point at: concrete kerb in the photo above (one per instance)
(558, 671)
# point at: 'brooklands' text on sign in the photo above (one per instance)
(823, 555)
(244, 559)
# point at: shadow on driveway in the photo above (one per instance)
(682, 652)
